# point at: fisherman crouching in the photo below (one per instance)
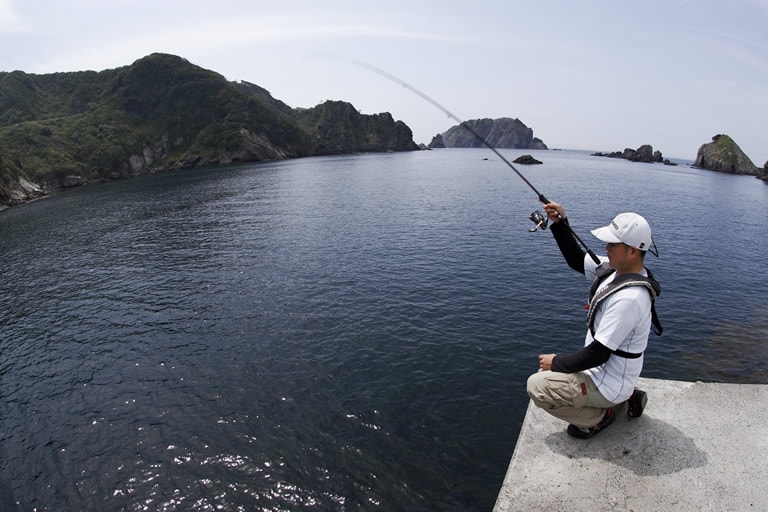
(584, 387)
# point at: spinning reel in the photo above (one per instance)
(539, 219)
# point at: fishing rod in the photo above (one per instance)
(537, 217)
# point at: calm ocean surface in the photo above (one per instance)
(340, 333)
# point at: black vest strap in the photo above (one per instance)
(622, 281)
(627, 355)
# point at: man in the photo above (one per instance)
(584, 387)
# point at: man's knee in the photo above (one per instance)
(550, 389)
(536, 386)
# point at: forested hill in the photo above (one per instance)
(162, 112)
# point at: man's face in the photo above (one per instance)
(618, 255)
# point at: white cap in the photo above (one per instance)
(626, 228)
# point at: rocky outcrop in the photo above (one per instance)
(644, 153)
(14, 187)
(504, 132)
(18, 191)
(337, 127)
(144, 161)
(437, 142)
(71, 180)
(724, 155)
(526, 160)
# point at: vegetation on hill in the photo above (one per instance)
(162, 112)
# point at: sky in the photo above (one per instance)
(590, 75)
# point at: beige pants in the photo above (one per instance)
(572, 397)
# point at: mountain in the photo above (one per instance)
(499, 133)
(162, 112)
(724, 155)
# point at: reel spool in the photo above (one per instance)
(539, 219)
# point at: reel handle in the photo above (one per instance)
(539, 219)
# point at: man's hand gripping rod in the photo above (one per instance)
(479, 137)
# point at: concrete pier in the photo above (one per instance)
(698, 447)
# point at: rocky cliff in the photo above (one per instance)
(499, 133)
(724, 155)
(337, 127)
(14, 188)
(162, 112)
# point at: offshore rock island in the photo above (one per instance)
(721, 155)
(160, 113)
(724, 155)
(504, 132)
(644, 153)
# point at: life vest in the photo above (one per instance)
(622, 281)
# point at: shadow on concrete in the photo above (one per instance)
(646, 446)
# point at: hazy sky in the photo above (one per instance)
(587, 74)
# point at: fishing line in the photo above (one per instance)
(536, 217)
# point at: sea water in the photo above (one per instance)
(337, 333)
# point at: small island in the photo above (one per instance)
(724, 155)
(504, 132)
(526, 160)
(644, 153)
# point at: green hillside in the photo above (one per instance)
(162, 112)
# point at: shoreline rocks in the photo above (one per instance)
(20, 191)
